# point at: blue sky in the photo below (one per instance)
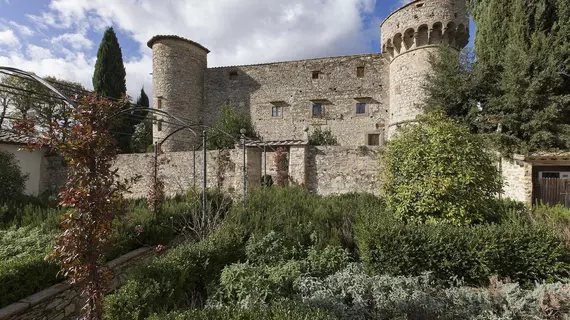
(60, 37)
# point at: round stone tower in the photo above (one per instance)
(178, 69)
(409, 35)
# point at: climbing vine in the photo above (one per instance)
(281, 165)
(223, 163)
(93, 195)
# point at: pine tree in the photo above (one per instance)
(109, 78)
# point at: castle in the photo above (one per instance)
(362, 99)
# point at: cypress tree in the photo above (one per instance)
(142, 136)
(109, 78)
(520, 78)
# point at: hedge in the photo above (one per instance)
(523, 252)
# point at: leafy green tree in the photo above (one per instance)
(438, 170)
(12, 179)
(231, 121)
(520, 80)
(142, 136)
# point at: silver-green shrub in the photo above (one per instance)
(352, 294)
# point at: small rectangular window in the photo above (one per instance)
(159, 104)
(276, 112)
(360, 72)
(374, 139)
(159, 125)
(318, 110)
(315, 74)
(360, 108)
(233, 75)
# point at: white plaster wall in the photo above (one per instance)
(30, 162)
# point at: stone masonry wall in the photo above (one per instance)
(290, 85)
(517, 180)
(62, 301)
(177, 171)
(338, 170)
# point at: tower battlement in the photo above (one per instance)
(423, 23)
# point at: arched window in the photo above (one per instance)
(409, 38)
(398, 43)
(436, 33)
(422, 38)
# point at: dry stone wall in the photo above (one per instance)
(256, 89)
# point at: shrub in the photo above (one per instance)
(30, 211)
(179, 278)
(23, 270)
(520, 251)
(437, 169)
(268, 276)
(280, 311)
(322, 138)
(12, 179)
(231, 121)
(353, 294)
(302, 218)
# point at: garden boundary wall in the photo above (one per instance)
(322, 170)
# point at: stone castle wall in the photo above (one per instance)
(338, 170)
(290, 85)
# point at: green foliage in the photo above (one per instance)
(267, 276)
(23, 270)
(24, 276)
(142, 135)
(12, 179)
(179, 278)
(24, 211)
(301, 217)
(109, 77)
(517, 250)
(321, 137)
(231, 121)
(521, 76)
(279, 311)
(353, 294)
(438, 170)
(109, 81)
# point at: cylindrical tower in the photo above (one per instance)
(178, 69)
(409, 35)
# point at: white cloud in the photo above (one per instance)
(236, 32)
(8, 38)
(77, 41)
(22, 29)
(37, 53)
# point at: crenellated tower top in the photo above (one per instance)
(425, 23)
